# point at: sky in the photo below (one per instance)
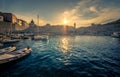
(64, 12)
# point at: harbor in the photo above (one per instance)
(69, 56)
(59, 38)
(9, 52)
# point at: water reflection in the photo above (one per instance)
(64, 45)
(64, 30)
(81, 56)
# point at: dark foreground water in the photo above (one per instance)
(63, 56)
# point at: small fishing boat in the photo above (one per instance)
(25, 37)
(116, 34)
(13, 57)
(8, 49)
(16, 37)
(40, 37)
(5, 41)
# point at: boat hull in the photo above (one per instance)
(40, 37)
(8, 42)
(116, 35)
(12, 62)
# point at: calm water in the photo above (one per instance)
(65, 56)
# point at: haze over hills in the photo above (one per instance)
(100, 29)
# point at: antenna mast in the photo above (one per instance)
(38, 20)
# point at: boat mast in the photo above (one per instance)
(37, 24)
(38, 20)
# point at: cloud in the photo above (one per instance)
(29, 18)
(106, 14)
(93, 9)
(83, 13)
(90, 11)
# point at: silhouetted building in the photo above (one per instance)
(74, 25)
(32, 24)
(9, 17)
(33, 28)
(19, 22)
(22, 22)
(9, 22)
(1, 18)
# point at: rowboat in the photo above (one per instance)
(7, 49)
(5, 41)
(13, 57)
(40, 37)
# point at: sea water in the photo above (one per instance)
(68, 56)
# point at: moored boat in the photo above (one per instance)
(116, 34)
(8, 49)
(10, 41)
(13, 57)
(16, 37)
(40, 37)
(25, 37)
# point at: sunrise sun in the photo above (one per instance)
(65, 21)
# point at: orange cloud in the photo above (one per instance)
(78, 13)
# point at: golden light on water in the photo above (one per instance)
(64, 45)
(64, 30)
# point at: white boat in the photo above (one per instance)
(10, 41)
(40, 37)
(8, 49)
(13, 57)
(16, 37)
(116, 34)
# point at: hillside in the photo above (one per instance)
(105, 29)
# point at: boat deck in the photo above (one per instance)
(13, 55)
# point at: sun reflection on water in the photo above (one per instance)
(64, 45)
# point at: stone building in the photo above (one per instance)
(9, 17)
(9, 22)
(1, 18)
